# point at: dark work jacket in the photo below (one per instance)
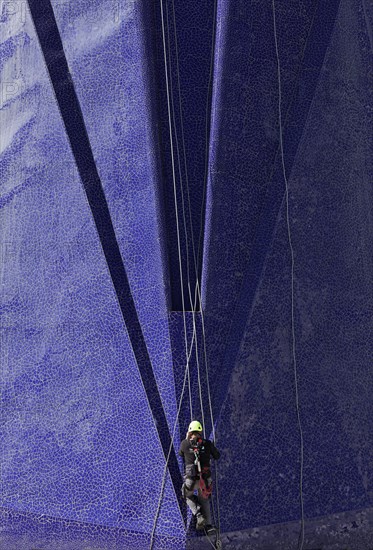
(206, 450)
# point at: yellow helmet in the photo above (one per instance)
(195, 426)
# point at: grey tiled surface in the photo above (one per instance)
(345, 531)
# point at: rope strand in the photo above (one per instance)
(192, 302)
(164, 477)
(186, 373)
(177, 212)
(301, 535)
(197, 293)
(175, 195)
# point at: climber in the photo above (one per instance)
(196, 453)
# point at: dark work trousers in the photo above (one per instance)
(194, 499)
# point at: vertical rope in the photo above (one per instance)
(193, 305)
(182, 135)
(196, 258)
(192, 302)
(175, 199)
(197, 293)
(211, 418)
(168, 458)
(207, 128)
(186, 373)
(198, 367)
(301, 535)
(198, 287)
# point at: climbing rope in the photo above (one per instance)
(197, 293)
(198, 288)
(164, 477)
(198, 297)
(207, 130)
(175, 201)
(301, 535)
(193, 303)
(211, 418)
(183, 143)
(188, 355)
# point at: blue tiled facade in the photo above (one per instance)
(93, 336)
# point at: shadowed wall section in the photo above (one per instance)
(247, 283)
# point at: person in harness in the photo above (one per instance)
(196, 453)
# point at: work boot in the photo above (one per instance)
(210, 530)
(201, 522)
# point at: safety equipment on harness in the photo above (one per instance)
(203, 474)
(205, 483)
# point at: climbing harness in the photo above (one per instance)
(203, 474)
(204, 485)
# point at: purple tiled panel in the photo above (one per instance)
(79, 440)
(247, 269)
(105, 46)
(245, 186)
